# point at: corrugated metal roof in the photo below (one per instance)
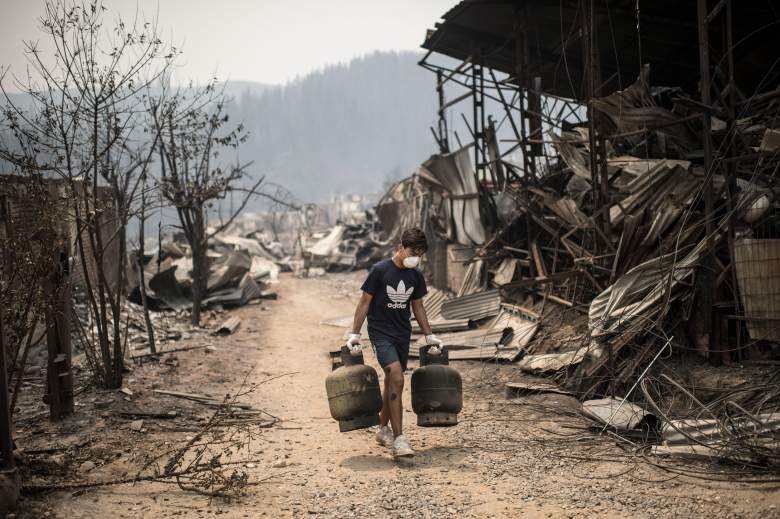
(472, 306)
(502, 339)
(442, 325)
(523, 330)
(490, 28)
(551, 361)
(468, 338)
(433, 301)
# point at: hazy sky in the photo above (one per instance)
(270, 41)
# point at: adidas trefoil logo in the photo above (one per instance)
(399, 296)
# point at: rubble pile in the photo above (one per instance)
(345, 246)
(634, 232)
(241, 269)
(632, 276)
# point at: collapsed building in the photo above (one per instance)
(642, 217)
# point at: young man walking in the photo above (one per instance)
(393, 286)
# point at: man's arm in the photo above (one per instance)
(361, 312)
(422, 318)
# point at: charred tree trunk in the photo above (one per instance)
(59, 378)
(119, 338)
(6, 440)
(200, 270)
(142, 283)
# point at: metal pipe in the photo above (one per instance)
(443, 139)
(454, 102)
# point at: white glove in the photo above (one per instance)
(434, 343)
(353, 343)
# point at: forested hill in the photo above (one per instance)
(348, 128)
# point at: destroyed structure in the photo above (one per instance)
(635, 241)
(642, 220)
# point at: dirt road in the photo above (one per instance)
(507, 458)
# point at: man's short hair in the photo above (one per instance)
(413, 238)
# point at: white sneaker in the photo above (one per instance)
(401, 447)
(384, 436)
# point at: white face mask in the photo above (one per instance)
(411, 262)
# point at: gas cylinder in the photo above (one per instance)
(353, 393)
(437, 390)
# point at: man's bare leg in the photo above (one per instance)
(384, 415)
(394, 385)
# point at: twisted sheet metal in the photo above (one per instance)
(473, 306)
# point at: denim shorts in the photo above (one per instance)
(388, 351)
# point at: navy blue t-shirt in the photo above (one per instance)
(390, 309)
